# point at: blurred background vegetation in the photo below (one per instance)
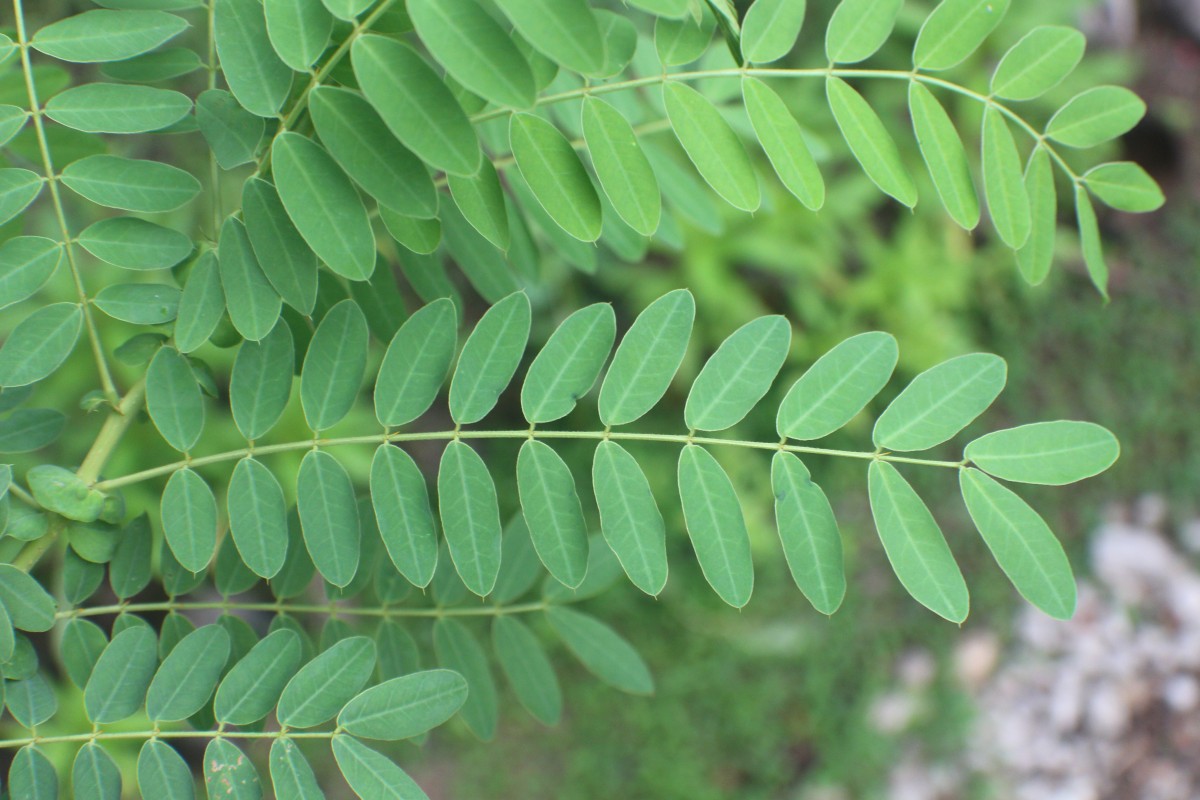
(776, 701)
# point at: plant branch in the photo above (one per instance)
(35, 110)
(425, 436)
(333, 609)
(110, 736)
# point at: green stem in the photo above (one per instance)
(111, 736)
(35, 110)
(331, 608)
(526, 433)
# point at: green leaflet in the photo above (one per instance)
(324, 685)
(130, 569)
(837, 386)
(1051, 453)
(666, 8)
(372, 774)
(291, 774)
(914, 544)
(553, 512)
(1003, 182)
(398, 653)
(39, 344)
(403, 514)
(135, 243)
(954, 30)
(629, 517)
(233, 133)
(8, 639)
(26, 263)
(258, 517)
(94, 774)
(485, 267)
(129, 184)
(260, 383)
(362, 145)
(298, 570)
(29, 606)
(489, 359)
(32, 775)
(738, 374)
(189, 519)
(783, 142)
(1035, 258)
(101, 35)
(470, 516)
(329, 516)
(253, 303)
(556, 176)
(139, 303)
(622, 168)
(567, 366)
(416, 364)
(1039, 62)
(716, 525)
(12, 120)
(567, 31)
(858, 28)
(520, 567)
(404, 707)
(940, 402)
(159, 65)
(121, 676)
(117, 108)
(162, 772)
(173, 399)
(599, 648)
(29, 429)
(1022, 544)
(475, 50)
(61, 491)
(1089, 240)
(30, 699)
(459, 650)
(346, 9)
(812, 543)
(415, 104)
(770, 29)
(251, 689)
(324, 206)
(19, 188)
(944, 155)
(480, 198)
(681, 41)
(334, 366)
(1124, 186)
(647, 358)
(299, 30)
(82, 643)
(530, 673)
(381, 302)
(870, 142)
(282, 253)
(188, 676)
(228, 773)
(1095, 116)
(684, 193)
(256, 76)
(712, 146)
